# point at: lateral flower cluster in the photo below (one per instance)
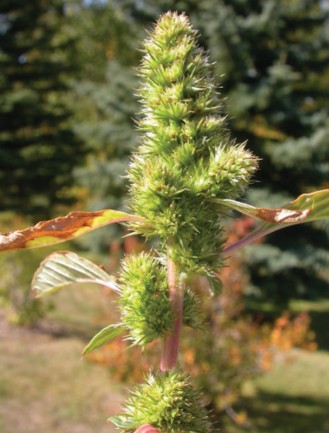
(186, 158)
(168, 402)
(144, 300)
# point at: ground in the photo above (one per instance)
(45, 386)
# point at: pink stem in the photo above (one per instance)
(171, 341)
(147, 428)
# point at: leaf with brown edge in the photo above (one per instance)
(279, 215)
(306, 208)
(62, 229)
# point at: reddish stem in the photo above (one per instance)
(147, 428)
(171, 341)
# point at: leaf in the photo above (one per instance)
(62, 269)
(122, 421)
(104, 336)
(62, 229)
(280, 215)
(306, 208)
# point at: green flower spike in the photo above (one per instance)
(186, 159)
(168, 402)
(144, 302)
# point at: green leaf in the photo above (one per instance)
(104, 336)
(62, 229)
(121, 421)
(306, 208)
(62, 269)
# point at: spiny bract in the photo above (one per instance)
(186, 158)
(168, 402)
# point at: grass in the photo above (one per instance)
(45, 386)
(293, 397)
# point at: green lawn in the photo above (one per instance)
(292, 398)
(45, 386)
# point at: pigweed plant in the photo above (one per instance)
(184, 180)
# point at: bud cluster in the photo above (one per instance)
(186, 158)
(168, 402)
(144, 302)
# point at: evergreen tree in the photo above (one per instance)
(37, 146)
(274, 57)
(105, 108)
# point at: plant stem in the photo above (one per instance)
(171, 341)
(146, 428)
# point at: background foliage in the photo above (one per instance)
(38, 148)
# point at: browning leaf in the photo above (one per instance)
(62, 229)
(279, 215)
(282, 215)
(306, 208)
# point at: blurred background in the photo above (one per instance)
(67, 113)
